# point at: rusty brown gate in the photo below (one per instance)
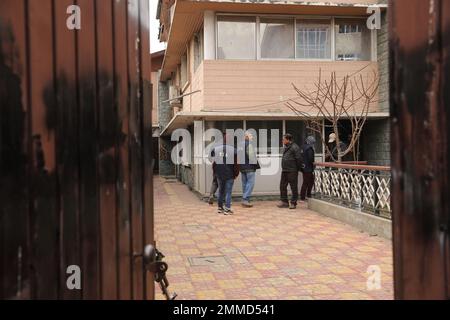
(75, 148)
(420, 102)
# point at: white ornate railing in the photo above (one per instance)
(357, 186)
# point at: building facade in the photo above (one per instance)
(232, 64)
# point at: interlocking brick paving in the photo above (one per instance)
(263, 252)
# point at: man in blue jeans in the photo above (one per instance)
(226, 165)
(248, 166)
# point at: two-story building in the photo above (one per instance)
(231, 64)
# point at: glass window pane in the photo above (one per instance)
(236, 37)
(184, 70)
(300, 132)
(353, 40)
(198, 49)
(277, 38)
(313, 39)
(270, 126)
(223, 126)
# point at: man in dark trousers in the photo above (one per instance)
(308, 168)
(291, 164)
(226, 171)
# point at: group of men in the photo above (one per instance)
(227, 167)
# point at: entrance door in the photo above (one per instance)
(76, 202)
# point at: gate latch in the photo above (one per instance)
(153, 261)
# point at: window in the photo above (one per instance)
(313, 39)
(223, 126)
(236, 37)
(347, 57)
(350, 28)
(272, 127)
(280, 37)
(353, 40)
(198, 50)
(183, 70)
(277, 38)
(300, 132)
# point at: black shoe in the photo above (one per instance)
(228, 211)
(283, 205)
(293, 206)
(220, 210)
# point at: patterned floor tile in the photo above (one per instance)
(303, 256)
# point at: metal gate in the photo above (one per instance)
(420, 111)
(75, 149)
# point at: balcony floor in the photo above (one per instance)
(263, 252)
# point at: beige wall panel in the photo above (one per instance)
(197, 100)
(242, 85)
(155, 82)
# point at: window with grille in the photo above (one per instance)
(324, 38)
(313, 40)
(350, 28)
(353, 40)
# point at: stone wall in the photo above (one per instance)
(375, 143)
(165, 112)
(383, 63)
(375, 140)
(186, 176)
(166, 167)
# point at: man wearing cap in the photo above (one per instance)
(332, 146)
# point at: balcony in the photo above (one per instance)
(262, 86)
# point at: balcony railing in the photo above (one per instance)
(361, 187)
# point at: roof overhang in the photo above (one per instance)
(183, 119)
(157, 60)
(188, 18)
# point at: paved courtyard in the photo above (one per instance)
(263, 252)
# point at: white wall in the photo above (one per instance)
(265, 184)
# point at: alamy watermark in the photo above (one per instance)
(74, 279)
(373, 22)
(73, 22)
(373, 278)
(235, 146)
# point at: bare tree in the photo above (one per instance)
(336, 99)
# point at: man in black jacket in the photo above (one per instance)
(308, 168)
(291, 164)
